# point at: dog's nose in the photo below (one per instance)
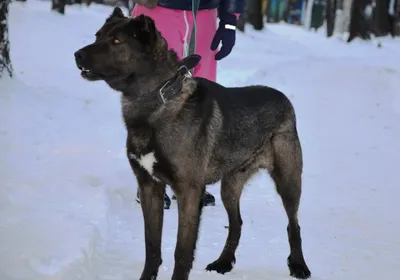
(79, 55)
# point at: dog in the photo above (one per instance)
(190, 132)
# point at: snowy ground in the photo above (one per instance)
(67, 207)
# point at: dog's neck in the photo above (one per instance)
(148, 91)
(154, 90)
(139, 89)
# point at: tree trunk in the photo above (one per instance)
(255, 15)
(347, 4)
(330, 15)
(381, 18)
(359, 27)
(241, 23)
(396, 18)
(252, 14)
(5, 61)
(307, 22)
(58, 6)
(286, 12)
(340, 16)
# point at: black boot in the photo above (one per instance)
(167, 200)
(208, 200)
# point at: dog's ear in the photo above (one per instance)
(190, 61)
(145, 28)
(145, 23)
(117, 13)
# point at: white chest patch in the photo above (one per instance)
(147, 161)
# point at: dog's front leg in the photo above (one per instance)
(190, 204)
(152, 202)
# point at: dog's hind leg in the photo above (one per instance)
(190, 204)
(231, 189)
(286, 172)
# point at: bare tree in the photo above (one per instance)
(307, 17)
(381, 18)
(58, 6)
(241, 23)
(396, 18)
(330, 15)
(342, 17)
(252, 14)
(5, 61)
(359, 23)
(256, 14)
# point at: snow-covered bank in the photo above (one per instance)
(67, 208)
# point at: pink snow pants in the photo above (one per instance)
(176, 26)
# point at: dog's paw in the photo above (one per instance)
(221, 266)
(149, 275)
(150, 270)
(298, 270)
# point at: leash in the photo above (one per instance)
(192, 43)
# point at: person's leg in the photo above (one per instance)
(206, 23)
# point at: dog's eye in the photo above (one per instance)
(116, 42)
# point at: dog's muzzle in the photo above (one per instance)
(87, 74)
(79, 57)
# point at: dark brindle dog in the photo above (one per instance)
(189, 132)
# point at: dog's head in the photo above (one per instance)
(123, 47)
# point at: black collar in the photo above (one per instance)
(172, 86)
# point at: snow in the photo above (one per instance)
(67, 196)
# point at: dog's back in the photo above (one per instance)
(250, 117)
(252, 105)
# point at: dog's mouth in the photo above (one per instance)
(89, 74)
